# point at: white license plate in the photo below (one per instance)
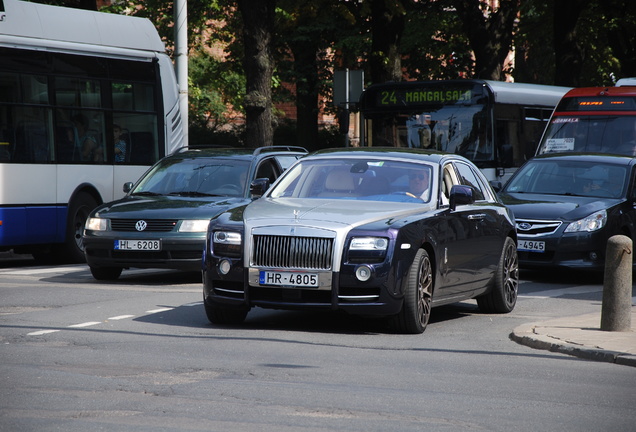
(531, 245)
(138, 245)
(297, 279)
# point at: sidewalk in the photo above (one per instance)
(581, 336)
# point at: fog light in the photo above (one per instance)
(593, 256)
(363, 273)
(224, 267)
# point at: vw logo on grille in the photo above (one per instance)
(141, 225)
(524, 226)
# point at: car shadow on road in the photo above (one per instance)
(336, 322)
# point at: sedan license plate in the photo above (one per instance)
(288, 279)
(530, 245)
(138, 245)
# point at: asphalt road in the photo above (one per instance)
(138, 354)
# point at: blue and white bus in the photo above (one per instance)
(88, 101)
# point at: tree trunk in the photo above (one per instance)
(387, 26)
(306, 68)
(490, 35)
(568, 53)
(258, 24)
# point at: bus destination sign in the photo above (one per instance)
(423, 96)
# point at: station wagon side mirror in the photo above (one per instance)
(128, 187)
(460, 195)
(496, 185)
(258, 187)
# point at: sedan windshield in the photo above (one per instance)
(195, 177)
(379, 180)
(567, 177)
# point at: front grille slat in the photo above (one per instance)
(292, 252)
(536, 228)
(153, 225)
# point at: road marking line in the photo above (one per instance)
(562, 292)
(34, 271)
(193, 304)
(41, 332)
(159, 310)
(120, 317)
(86, 324)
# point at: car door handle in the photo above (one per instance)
(476, 217)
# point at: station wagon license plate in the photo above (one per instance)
(531, 245)
(297, 279)
(138, 245)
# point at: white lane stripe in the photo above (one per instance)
(193, 304)
(562, 292)
(41, 332)
(159, 310)
(86, 324)
(120, 317)
(35, 271)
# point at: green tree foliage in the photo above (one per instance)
(567, 42)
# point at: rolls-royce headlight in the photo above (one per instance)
(369, 243)
(227, 243)
(368, 249)
(197, 225)
(593, 222)
(96, 224)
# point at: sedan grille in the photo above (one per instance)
(292, 252)
(152, 225)
(527, 227)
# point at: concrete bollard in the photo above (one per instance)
(616, 311)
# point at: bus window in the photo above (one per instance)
(593, 119)
(494, 124)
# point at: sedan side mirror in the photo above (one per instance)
(460, 195)
(258, 187)
(128, 187)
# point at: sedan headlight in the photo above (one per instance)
(227, 243)
(368, 249)
(96, 224)
(593, 222)
(200, 225)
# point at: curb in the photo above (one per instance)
(526, 335)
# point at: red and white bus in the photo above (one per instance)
(594, 119)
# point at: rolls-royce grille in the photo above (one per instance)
(536, 227)
(292, 252)
(154, 225)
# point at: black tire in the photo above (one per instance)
(78, 211)
(106, 273)
(218, 314)
(502, 296)
(416, 310)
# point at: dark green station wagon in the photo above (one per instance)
(163, 219)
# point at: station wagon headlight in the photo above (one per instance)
(368, 249)
(593, 222)
(96, 224)
(200, 225)
(227, 243)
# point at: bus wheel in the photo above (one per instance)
(78, 211)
